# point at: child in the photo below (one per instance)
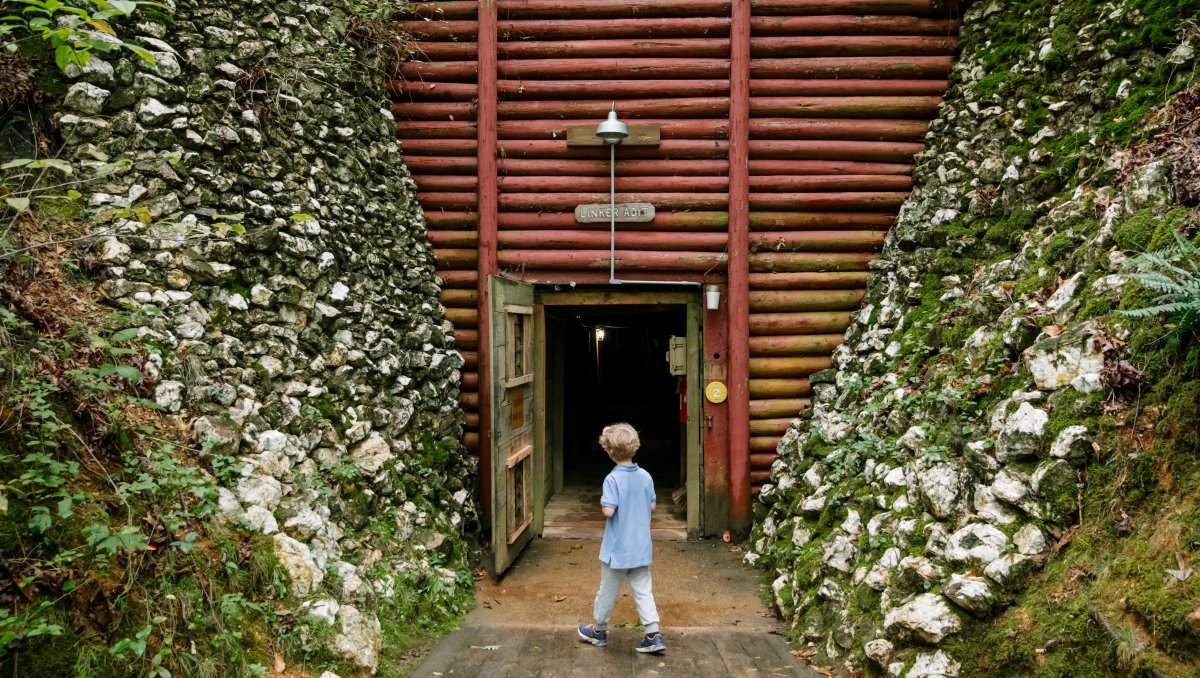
(627, 501)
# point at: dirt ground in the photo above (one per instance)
(696, 583)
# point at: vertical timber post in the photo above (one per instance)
(488, 216)
(739, 269)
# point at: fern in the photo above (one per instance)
(1174, 273)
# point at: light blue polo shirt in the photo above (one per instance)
(630, 490)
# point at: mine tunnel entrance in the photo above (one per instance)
(606, 364)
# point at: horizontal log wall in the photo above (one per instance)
(840, 96)
(890, 60)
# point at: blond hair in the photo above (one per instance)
(620, 441)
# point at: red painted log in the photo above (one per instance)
(625, 184)
(762, 451)
(817, 322)
(512, 90)
(844, 182)
(808, 281)
(452, 9)
(466, 340)
(488, 206)
(663, 221)
(537, 202)
(835, 128)
(582, 109)
(456, 29)
(668, 129)
(788, 87)
(441, 147)
(418, 90)
(599, 259)
(818, 241)
(806, 262)
(470, 361)
(851, 25)
(466, 318)
(771, 167)
(626, 240)
(645, 48)
(454, 239)
(472, 421)
(617, 27)
(799, 344)
(848, 201)
(436, 129)
(434, 110)
(443, 182)
(430, 50)
(439, 71)
(431, 164)
(451, 220)
(779, 388)
(469, 400)
(805, 300)
(574, 278)
(455, 258)
(757, 480)
(599, 168)
(858, 151)
(739, 208)
(452, 298)
(459, 279)
(471, 441)
(777, 407)
(852, 46)
(785, 368)
(469, 380)
(777, 221)
(612, 9)
(673, 149)
(450, 201)
(769, 427)
(850, 67)
(936, 8)
(923, 107)
(623, 68)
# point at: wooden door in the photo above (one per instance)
(512, 425)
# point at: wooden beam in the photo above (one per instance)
(741, 514)
(639, 135)
(488, 201)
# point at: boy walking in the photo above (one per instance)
(627, 501)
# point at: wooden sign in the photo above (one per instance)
(639, 135)
(627, 213)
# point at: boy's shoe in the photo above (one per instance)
(652, 643)
(589, 633)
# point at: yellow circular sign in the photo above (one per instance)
(716, 392)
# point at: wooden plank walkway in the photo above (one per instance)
(574, 513)
(554, 652)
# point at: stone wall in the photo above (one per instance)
(944, 459)
(263, 233)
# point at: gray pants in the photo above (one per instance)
(643, 596)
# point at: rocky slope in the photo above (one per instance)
(255, 224)
(999, 477)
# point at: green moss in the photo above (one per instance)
(1008, 231)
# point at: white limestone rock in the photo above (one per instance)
(1012, 486)
(1030, 540)
(879, 651)
(935, 665)
(169, 395)
(942, 488)
(975, 544)
(1072, 444)
(1007, 569)
(839, 553)
(1072, 358)
(1021, 434)
(218, 435)
(371, 454)
(257, 489)
(296, 559)
(324, 609)
(361, 639)
(261, 520)
(990, 509)
(928, 616)
(970, 593)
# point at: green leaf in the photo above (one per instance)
(66, 508)
(130, 372)
(125, 335)
(62, 56)
(301, 216)
(236, 216)
(19, 204)
(19, 162)
(39, 519)
(123, 6)
(74, 195)
(144, 54)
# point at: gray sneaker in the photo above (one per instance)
(589, 633)
(651, 644)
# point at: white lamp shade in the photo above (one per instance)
(712, 297)
(612, 131)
